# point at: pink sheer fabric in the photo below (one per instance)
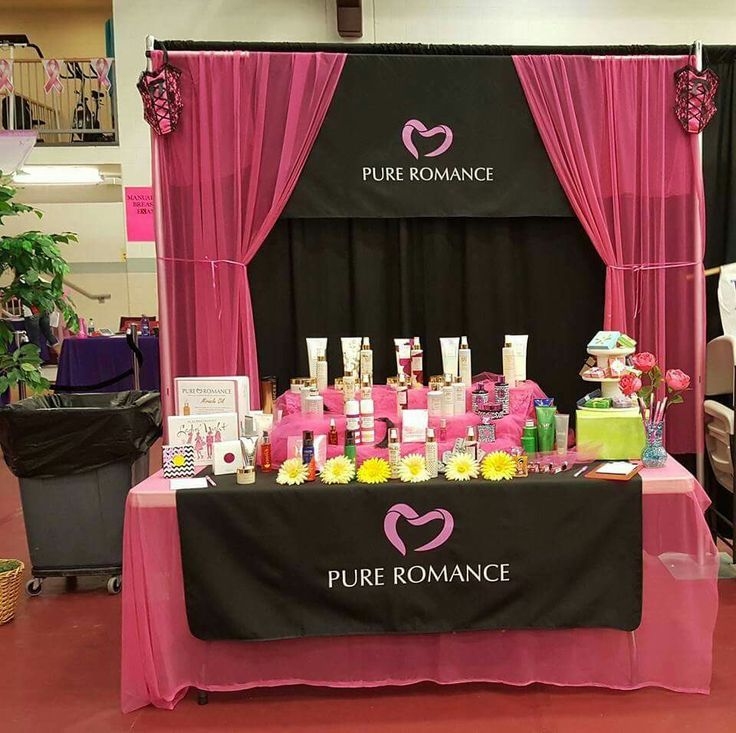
(508, 429)
(672, 648)
(634, 180)
(221, 181)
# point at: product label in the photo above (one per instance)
(207, 397)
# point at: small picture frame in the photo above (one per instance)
(178, 461)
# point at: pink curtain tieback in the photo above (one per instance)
(640, 267)
(213, 267)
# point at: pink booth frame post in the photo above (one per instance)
(672, 648)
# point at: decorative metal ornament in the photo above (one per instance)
(695, 93)
(161, 94)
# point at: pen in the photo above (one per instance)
(578, 473)
(210, 481)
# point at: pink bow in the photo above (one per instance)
(101, 67)
(52, 67)
(6, 76)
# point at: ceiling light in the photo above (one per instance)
(58, 175)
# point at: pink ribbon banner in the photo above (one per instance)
(101, 68)
(52, 67)
(6, 76)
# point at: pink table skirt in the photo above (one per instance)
(672, 648)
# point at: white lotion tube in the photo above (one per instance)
(366, 360)
(350, 354)
(562, 428)
(315, 346)
(367, 422)
(448, 397)
(518, 344)
(509, 365)
(417, 363)
(322, 372)
(403, 357)
(352, 418)
(466, 368)
(394, 452)
(431, 457)
(458, 397)
(449, 347)
(434, 403)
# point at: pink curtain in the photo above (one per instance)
(633, 177)
(221, 181)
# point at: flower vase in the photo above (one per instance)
(654, 455)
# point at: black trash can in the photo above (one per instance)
(77, 456)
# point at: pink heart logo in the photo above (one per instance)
(412, 126)
(397, 511)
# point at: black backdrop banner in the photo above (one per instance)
(429, 136)
(719, 177)
(277, 562)
(390, 278)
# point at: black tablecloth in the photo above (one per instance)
(544, 552)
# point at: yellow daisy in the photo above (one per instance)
(413, 468)
(374, 471)
(497, 466)
(338, 470)
(292, 472)
(461, 467)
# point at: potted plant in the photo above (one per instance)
(36, 268)
(10, 582)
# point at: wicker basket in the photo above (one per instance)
(10, 584)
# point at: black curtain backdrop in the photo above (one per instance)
(390, 278)
(719, 175)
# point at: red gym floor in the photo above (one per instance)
(59, 672)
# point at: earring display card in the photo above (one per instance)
(228, 457)
(178, 461)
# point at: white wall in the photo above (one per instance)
(554, 22)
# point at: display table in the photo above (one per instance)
(87, 361)
(672, 647)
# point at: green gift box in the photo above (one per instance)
(611, 435)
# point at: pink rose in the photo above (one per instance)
(629, 384)
(644, 361)
(676, 380)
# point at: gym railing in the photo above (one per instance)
(76, 110)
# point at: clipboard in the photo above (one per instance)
(594, 474)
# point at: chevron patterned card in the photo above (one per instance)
(178, 461)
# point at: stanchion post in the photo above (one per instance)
(136, 365)
(699, 297)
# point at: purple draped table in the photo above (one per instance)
(87, 361)
(672, 648)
